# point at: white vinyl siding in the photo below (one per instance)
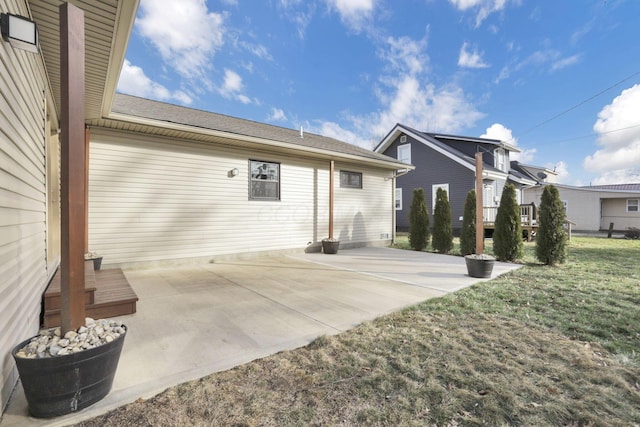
(22, 201)
(154, 199)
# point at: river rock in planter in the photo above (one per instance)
(94, 334)
(61, 375)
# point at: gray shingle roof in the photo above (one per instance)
(620, 187)
(199, 119)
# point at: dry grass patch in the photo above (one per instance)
(540, 346)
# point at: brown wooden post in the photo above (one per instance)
(479, 206)
(72, 137)
(331, 169)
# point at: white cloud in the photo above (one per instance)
(470, 58)
(406, 96)
(551, 60)
(185, 33)
(500, 132)
(134, 81)
(299, 13)
(618, 158)
(624, 176)
(232, 87)
(277, 115)
(353, 13)
(405, 55)
(484, 7)
(565, 62)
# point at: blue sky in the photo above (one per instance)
(560, 79)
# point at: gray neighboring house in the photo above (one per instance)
(594, 208)
(448, 161)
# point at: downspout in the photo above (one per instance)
(331, 170)
(396, 174)
(87, 137)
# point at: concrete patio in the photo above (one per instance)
(198, 319)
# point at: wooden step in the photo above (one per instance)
(113, 296)
(52, 294)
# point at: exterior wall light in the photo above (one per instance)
(233, 172)
(20, 32)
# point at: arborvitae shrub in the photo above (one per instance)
(418, 221)
(468, 232)
(442, 240)
(507, 236)
(551, 241)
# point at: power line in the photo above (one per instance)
(579, 104)
(593, 134)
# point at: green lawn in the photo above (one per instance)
(543, 346)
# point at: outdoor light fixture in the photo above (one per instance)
(233, 172)
(21, 32)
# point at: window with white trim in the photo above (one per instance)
(398, 199)
(500, 159)
(404, 153)
(632, 205)
(434, 191)
(350, 179)
(264, 180)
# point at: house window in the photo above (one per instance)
(500, 159)
(265, 180)
(434, 192)
(566, 205)
(632, 205)
(404, 153)
(398, 199)
(350, 179)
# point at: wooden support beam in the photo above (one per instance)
(479, 206)
(72, 138)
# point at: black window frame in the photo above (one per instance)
(258, 180)
(349, 174)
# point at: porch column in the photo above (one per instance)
(72, 138)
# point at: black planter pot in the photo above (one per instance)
(60, 385)
(330, 246)
(479, 267)
(97, 263)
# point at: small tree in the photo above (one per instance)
(468, 232)
(418, 221)
(442, 233)
(551, 242)
(507, 236)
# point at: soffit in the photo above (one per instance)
(107, 27)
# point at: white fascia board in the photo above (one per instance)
(259, 141)
(125, 17)
(384, 144)
(398, 129)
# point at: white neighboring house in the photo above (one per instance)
(165, 182)
(169, 183)
(594, 208)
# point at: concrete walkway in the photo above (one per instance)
(199, 319)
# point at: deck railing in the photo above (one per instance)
(527, 215)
